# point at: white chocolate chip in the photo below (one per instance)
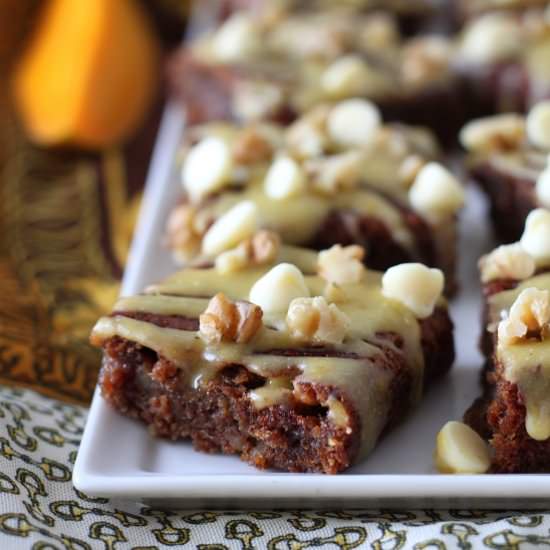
(256, 100)
(460, 450)
(353, 122)
(207, 167)
(237, 39)
(314, 320)
(491, 133)
(307, 137)
(530, 313)
(278, 287)
(536, 236)
(332, 173)
(341, 265)
(538, 125)
(285, 178)
(436, 193)
(232, 260)
(543, 188)
(491, 37)
(347, 76)
(416, 286)
(509, 261)
(234, 226)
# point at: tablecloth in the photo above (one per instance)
(66, 220)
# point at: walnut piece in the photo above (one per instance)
(509, 261)
(251, 147)
(331, 174)
(341, 264)
(182, 236)
(500, 132)
(529, 317)
(228, 321)
(425, 59)
(262, 248)
(314, 320)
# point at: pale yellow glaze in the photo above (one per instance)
(526, 363)
(364, 380)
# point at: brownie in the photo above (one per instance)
(286, 394)
(512, 413)
(468, 9)
(356, 193)
(501, 59)
(304, 59)
(507, 168)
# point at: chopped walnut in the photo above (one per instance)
(425, 58)
(182, 236)
(314, 320)
(507, 262)
(500, 132)
(341, 264)
(257, 100)
(336, 172)
(225, 320)
(261, 248)
(307, 137)
(251, 147)
(529, 317)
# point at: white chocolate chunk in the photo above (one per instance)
(536, 236)
(414, 285)
(508, 261)
(436, 193)
(285, 178)
(347, 76)
(494, 132)
(353, 122)
(543, 188)
(314, 320)
(236, 40)
(538, 125)
(207, 167)
(237, 224)
(491, 37)
(278, 287)
(460, 450)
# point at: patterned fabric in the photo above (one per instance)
(40, 509)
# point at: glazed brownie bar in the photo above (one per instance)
(508, 156)
(514, 412)
(296, 366)
(254, 67)
(502, 59)
(337, 175)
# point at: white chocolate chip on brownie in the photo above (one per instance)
(491, 37)
(414, 285)
(278, 287)
(237, 39)
(436, 193)
(536, 236)
(353, 123)
(542, 188)
(460, 450)
(348, 76)
(234, 226)
(508, 261)
(206, 168)
(538, 125)
(284, 179)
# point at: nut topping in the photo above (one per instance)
(500, 132)
(314, 320)
(341, 265)
(538, 125)
(228, 321)
(508, 261)
(529, 317)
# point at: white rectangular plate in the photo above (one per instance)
(118, 457)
